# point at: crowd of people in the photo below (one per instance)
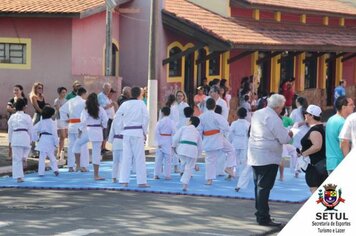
(269, 129)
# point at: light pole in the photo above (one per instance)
(152, 73)
(110, 4)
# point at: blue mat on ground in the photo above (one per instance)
(291, 189)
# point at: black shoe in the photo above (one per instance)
(271, 223)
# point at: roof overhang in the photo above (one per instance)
(249, 5)
(83, 14)
(189, 29)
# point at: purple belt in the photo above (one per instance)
(96, 125)
(119, 136)
(18, 130)
(133, 127)
(45, 133)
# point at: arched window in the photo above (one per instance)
(175, 67)
(214, 65)
(115, 61)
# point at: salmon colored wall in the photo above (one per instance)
(241, 12)
(290, 17)
(238, 70)
(333, 21)
(318, 20)
(350, 22)
(349, 72)
(51, 57)
(134, 37)
(166, 87)
(266, 15)
(88, 41)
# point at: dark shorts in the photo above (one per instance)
(107, 130)
(313, 178)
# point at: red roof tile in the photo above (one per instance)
(331, 6)
(49, 6)
(242, 33)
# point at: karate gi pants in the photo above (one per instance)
(84, 152)
(227, 152)
(133, 147)
(241, 160)
(42, 164)
(18, 155)
(166, 160)
(188, 163)
(95, 152)
(246, 176)
(117, 158)
(221, 164)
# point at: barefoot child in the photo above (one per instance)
(115, 138)
(20, 132)
(46, 132)
(165, 129)
(187, 144)
(238, 136)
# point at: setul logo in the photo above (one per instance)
(330, 198)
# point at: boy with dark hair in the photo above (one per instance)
(20, 130)
(47, 137)
(213, 126)
(238, 136)
(165, 129)
(187, 144)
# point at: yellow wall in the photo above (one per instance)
(301, 72)
(322, 73)
(25, 66)
(338, 73)
(275, 74)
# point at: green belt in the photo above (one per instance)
(188, 142)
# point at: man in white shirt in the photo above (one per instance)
(108, 105)
(214, 93)
(267, 137)
(348, 134)
(133, 119)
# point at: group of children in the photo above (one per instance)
(209, 132)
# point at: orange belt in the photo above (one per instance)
(74, 120)
(165, 134)
(211, 132)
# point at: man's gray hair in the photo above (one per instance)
(106, 84)
(276, 100)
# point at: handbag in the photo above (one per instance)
(320, 167)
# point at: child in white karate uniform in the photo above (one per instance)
(20, 130)
(238, 136)
(187, 143)
(115, 138)
(164, 131)
(46, 134)
(93, 120)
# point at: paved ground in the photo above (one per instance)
(38, 212)
(50, 212)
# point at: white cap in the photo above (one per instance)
(314, 110)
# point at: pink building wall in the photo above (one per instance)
(88, 40)
(134, 35)
(51, 56)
